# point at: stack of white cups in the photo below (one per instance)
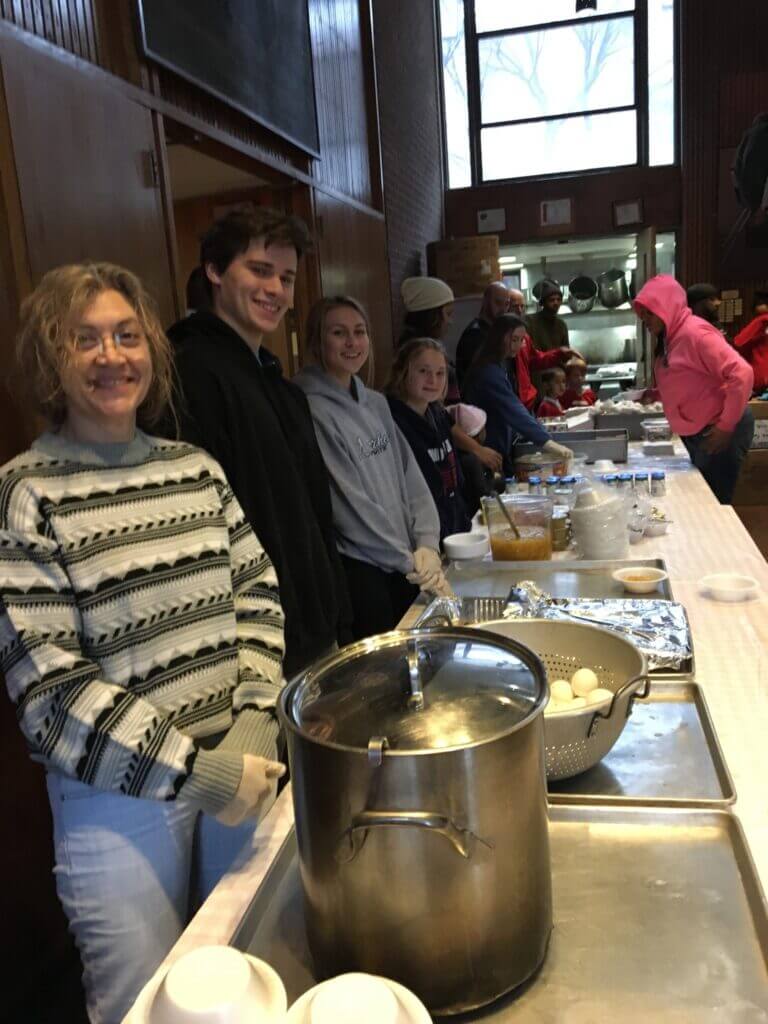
(599, 523)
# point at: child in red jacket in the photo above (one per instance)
(553, 388)
(575, 393)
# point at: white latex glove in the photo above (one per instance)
(427, 568)
(442, 588)
(257, 786)
(553, 448)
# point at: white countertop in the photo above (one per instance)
(731, 650)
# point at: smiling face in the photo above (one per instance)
(105, 382)
(514, 341)
(345, 343)
(254, 292)
(426, 379)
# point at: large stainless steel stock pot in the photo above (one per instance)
(417, 761)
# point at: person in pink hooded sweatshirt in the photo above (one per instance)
(703, 383)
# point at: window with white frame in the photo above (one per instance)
(533, 88)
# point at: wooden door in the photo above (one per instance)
(85, 158)
(646, 269)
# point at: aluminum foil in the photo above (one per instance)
(657, 628)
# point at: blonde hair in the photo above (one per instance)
(408, 351)
(316, 329)
(42, 349)
(575, 364)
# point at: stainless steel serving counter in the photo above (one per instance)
(731, 649)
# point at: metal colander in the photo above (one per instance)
(577, 740)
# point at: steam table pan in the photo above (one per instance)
(659, 916)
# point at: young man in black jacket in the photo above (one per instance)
(233, 401)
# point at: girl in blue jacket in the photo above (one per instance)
(491, 384)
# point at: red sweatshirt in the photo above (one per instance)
(529, 358)
(701, 379)
(549, 407)
(571, 395)
(752, 341)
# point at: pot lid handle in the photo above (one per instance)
(416, 696)
(376, 747)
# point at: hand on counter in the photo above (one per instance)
(257, 785)
(428, 573)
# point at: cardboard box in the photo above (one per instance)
(752, 488)
(467, 265)
(759, 409)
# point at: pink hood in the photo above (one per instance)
(665, 297)
(701, 379)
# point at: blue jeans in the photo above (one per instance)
(129, 874)
(721, 471)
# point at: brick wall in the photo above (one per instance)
(411, 135)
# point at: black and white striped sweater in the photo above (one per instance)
(138, 614)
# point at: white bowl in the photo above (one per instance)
(410, 1009)
(218, 985)
(650, 578)
(728, 586)
(603, 465)
(466, 545)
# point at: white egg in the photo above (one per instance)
(561, 691)
(583, 681)
(577, 702)
(599, 696)
(555, 706)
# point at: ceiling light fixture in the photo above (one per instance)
(586, 5)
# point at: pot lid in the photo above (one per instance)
(419, 689)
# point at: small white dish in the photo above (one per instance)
(466, 545)
(410, 1009)
(603, 465)
(729, 586)
(639, 579)
(213, 985)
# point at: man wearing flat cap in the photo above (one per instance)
(546, 329)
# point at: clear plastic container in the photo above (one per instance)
(624, 481)
(532, 517)
(656, 430)
(535, 486)
(641, 484)
(658, 484)
(611, 479)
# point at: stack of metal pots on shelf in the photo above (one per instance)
(417, 764)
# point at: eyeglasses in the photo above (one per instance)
(92, 341)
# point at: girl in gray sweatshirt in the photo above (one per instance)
(385, 518)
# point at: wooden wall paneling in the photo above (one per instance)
(352, 247)
(70, 24)
(17, 427)
(92, 195)
(341, 96)
(593, 196)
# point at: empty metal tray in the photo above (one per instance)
(658, 916)
(558, 578)
(667, 755)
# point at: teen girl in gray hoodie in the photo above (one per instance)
(385, 518)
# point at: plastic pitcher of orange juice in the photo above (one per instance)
(532, 516)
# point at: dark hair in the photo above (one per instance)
(197, 290)
(231, 235)
(424, 323)
(550, 376)
(493, 349)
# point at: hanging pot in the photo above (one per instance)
(612, 288)
(417, 763)
(540, 284)
(582, 292)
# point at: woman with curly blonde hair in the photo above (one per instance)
(141, 633)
